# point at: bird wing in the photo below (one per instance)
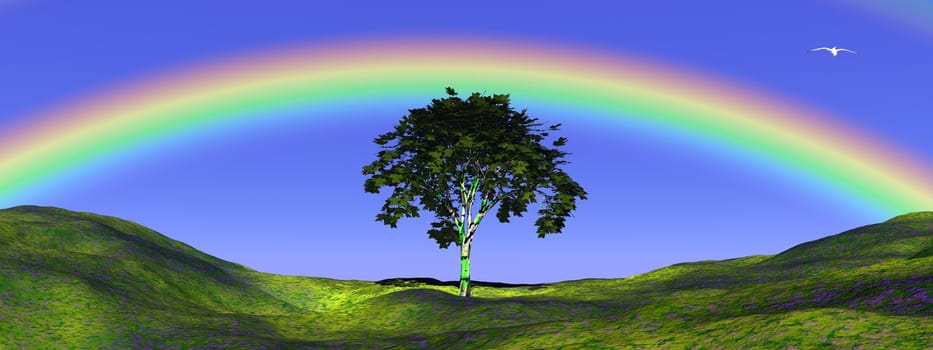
(820, 48)
(841, 49)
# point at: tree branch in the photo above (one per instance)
(449, 204)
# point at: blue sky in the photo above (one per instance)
(289, 199)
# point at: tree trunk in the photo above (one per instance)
(466, 289)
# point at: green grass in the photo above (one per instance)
(86, 281)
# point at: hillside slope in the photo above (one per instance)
(905, 236)
(82, 280)
(78, 277)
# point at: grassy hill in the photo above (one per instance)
(86, 281)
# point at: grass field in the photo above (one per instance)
(84, 281)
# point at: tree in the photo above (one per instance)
(453, 153)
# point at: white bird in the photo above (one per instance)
(834, 50)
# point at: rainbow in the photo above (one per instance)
(909, 14)
(622, 90)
